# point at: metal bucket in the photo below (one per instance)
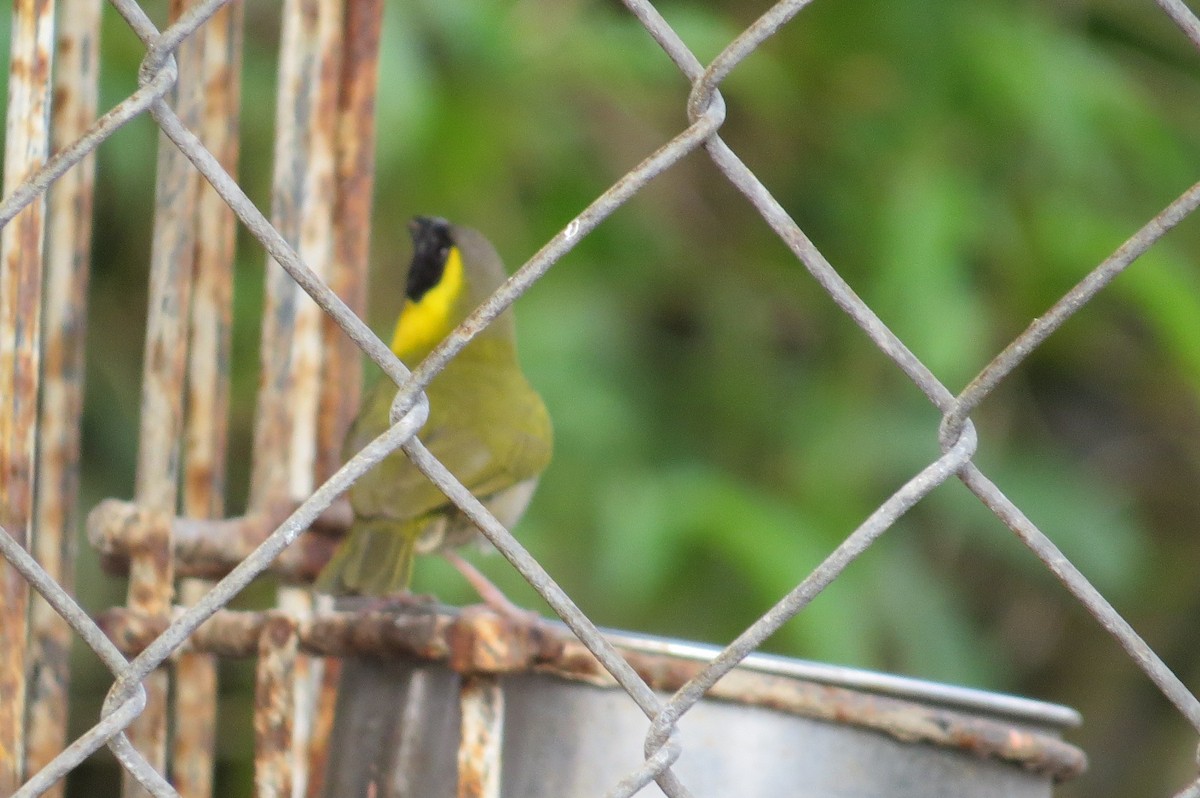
(772, 727)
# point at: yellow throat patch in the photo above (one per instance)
(422, 324)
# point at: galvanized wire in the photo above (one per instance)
(705, 112)
(854, 545)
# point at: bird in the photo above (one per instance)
(486, 423)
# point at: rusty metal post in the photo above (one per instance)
(285, 435)
(26, 146)
(341, 382)
(206, 425)
(355, 175)
(316, 247)
(274, 708)
(274, 416)
(482, 704)
(321, 55)
(68, 253)
(151, 569)
(195, 710)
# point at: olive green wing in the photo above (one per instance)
(490, 439)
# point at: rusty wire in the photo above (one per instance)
(286, 501)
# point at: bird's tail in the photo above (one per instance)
(375, 559)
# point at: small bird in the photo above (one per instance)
(486, 423)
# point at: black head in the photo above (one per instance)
(431, 247)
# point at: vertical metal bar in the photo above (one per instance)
(151, 570)
(318, 115)
(68, 250)
(317, 744)
(274, 705)
(274, 415)
(26, 145)
(355, 188)
(195, 709)
(341, 380)
(286, 427)
(206, 425)
(315, 246)
(482, 703)
(206, 429)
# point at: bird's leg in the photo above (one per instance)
(492, 596)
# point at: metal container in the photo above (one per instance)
(772, 727)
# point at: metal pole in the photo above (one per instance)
(26, 144)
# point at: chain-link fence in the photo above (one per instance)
(317, 234)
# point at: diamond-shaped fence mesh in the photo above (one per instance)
(316, 232)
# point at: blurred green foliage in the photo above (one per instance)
(721, 425)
